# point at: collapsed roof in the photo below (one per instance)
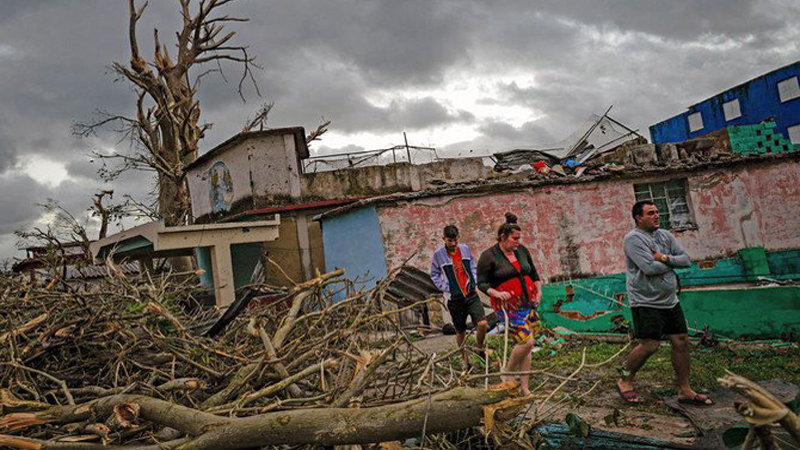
(597, 135)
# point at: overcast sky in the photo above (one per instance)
(459, 75)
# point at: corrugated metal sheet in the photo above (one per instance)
(411, 285)
(597, 135)
(88, 272)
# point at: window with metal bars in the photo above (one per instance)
(670, 198)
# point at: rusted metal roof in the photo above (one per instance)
(100, 270)
(88, 272)
(299, 207)
(411, 285)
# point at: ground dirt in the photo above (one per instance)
(653, 419)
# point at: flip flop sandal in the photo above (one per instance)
(630, 397)
(697, 400)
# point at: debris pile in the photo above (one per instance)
(635, 154)
(124, 364)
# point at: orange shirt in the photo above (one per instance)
(458, 268)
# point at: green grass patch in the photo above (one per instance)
(709, 364)
(561, 355)
(757, 363)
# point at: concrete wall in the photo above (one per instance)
(236, 160)
(401, 177)
(758, 100)
(317, 249)
(370, 180)
(353, 242)
(244, 257)
(578, 229)
(286, 253)
(274, 166)
(263, 166)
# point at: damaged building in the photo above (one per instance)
(257, 175)
(771, 97)
(731, 213)
(729, 195)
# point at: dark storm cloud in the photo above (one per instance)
(529, 132)
(405, 42)
(14, 9)
(341, 98)
(7, 153)
(56, 74)
(19, 209)
(496, 136)
(371, 66)
(400, 115)
(680, 19)
(83, 168)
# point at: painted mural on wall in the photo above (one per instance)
(220, 188)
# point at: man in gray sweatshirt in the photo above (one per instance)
(651, 255)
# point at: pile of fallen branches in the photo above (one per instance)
(124, 364)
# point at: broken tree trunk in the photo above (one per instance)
(454, 409)
(761, 408)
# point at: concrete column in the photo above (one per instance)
(304, 243)
(414, 178)
(293, 165)
(224, 290)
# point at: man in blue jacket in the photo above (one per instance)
(651, 256)
(453, 271)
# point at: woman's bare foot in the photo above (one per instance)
(524, 389)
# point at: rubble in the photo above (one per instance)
(125, 364)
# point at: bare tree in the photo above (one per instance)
(62, 228)
(166, 129)
(316, 135)
(260, 120)
(107, 212)
(62, 231)
(259, 123)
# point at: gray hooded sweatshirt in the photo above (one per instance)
(652, 283)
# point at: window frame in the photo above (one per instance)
(797, 133)
(784, 82)
(689, 121)
(691, 223)
(738, 110)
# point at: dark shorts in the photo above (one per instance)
(655, 323)
(460, 309)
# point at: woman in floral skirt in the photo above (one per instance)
(506, 273)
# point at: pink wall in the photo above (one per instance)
(578, 229)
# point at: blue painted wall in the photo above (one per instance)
(203, 255)
(758, 101)
(353, 242)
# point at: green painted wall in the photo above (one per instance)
(758, 139)
(784, 265)
(752, 312)
(729, 270)
(760, 313)
(244, 258)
